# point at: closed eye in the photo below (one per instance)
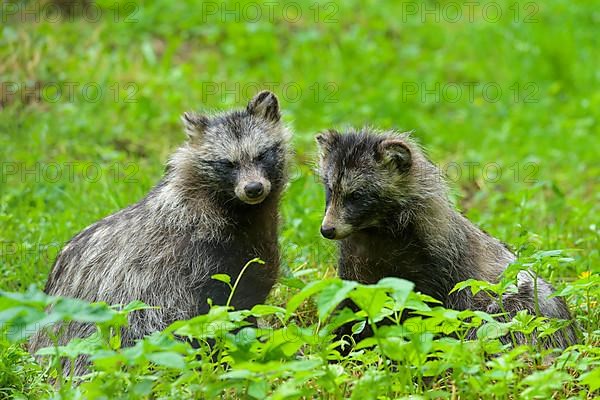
(224, 163)
(263, 155)
(327, 194)
(267, 155)
(354, 196)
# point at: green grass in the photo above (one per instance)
(356, 63)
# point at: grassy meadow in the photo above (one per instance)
(505, 97)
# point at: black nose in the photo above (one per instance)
(328, 232)
(254, 189)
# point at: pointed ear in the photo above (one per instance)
(395, 152)
(194, 124)
(265, 105)
(327, 139)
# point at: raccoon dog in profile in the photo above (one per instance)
(389, 209)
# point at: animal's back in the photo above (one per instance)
(389, 208)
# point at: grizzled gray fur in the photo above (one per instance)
(388, 207)
(215, 209)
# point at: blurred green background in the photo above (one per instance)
(91, 104)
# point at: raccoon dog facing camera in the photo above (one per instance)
(389, 209)
(215, 209)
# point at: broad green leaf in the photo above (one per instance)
(332, 295)
(260, 310)
(258, 389)
(401, 289)
(492, 330)
(371, 299)
(309, 290)
(168, 359)
(222, 277)
(135, 306)
(591, 379)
